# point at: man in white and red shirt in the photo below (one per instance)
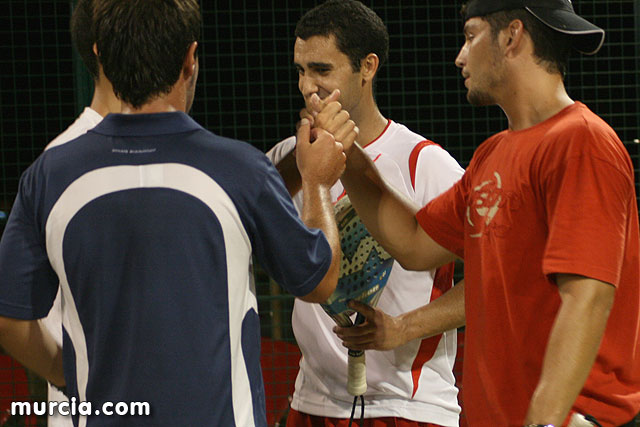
(411, 382)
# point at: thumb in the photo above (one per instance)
(333, 97)
(306, 114)
(362, 308)
(303, 134)
(318, 104)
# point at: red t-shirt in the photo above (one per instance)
(558, 197)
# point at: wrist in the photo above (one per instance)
(407, 328)
(357, 159)
(315, 184)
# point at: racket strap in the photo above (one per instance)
(353, 410)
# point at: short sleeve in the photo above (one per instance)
(281, 149)
(28, 283)
(435, 172)
(443, 218)
(587, 202)
(294, 255)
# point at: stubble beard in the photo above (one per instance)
(484, 96)
(479, 98)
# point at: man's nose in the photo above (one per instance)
(307, 86)
(461, 59)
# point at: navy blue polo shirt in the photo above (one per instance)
(148, 223)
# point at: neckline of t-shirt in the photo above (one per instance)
(379, 136)
(146, 124)
(558, 116)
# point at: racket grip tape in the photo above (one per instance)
(357, 368)
(357, 373)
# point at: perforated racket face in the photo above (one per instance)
(365, 265)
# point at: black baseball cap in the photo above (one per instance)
(556, 14)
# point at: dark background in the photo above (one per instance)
(247, 87)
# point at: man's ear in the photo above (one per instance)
(369, 67)
(514, 36)
(190, 61)
(95, 49)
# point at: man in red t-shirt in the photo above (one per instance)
(546, 220)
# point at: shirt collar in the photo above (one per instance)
(146, 124)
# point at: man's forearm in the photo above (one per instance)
(572, 347)
(440, 315)
(379, 206)
(30, 344)
(381, 331)
(390, 216)
(317, 212)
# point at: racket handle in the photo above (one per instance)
(357, 373)
(357, 368)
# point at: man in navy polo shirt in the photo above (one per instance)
(149, 222)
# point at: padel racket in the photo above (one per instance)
(364, 271)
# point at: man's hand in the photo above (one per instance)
(305, 114)
(319, 157)
(310, 112)
(378, 332)
(310, 115)
(328, 114)
(383, 332)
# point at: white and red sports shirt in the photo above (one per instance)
(414, 381)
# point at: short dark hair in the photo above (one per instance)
(142, 44)
(551, 47)
(82, 35)
(357, 29)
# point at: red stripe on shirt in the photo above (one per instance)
(441, 283)
(413, 159)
